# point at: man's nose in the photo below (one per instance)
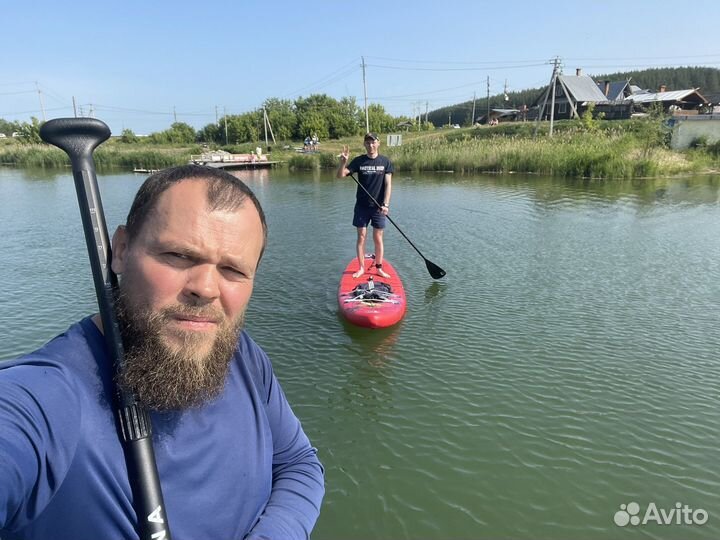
(202, 283)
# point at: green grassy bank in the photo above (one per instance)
(578, 149)
(110, 155)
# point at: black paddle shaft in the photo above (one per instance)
(79, 137)
(435, 271)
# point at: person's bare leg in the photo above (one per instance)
(361, 233)
(379, 252)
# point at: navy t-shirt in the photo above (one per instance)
(371, 173)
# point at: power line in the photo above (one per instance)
(334, 76)
(482, 68)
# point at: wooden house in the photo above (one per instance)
(673, 101)
(571, 97)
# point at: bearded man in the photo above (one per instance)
(233, 460)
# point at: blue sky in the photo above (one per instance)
(142, 64)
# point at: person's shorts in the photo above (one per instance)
(368, 214)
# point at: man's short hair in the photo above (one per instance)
(224, 192)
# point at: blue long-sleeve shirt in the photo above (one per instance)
(240, 466)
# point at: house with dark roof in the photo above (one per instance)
(615, 90)
(501, 115)
(573, 95)
(675, 100)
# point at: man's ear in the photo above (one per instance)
(119, 249)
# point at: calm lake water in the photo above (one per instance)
(567, 365)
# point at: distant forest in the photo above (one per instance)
(704, 78)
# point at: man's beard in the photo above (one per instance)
(167, 377)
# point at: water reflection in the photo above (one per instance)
(433, 292)
(252, 176)
(694, 190)
(367, 389)
(375, 346)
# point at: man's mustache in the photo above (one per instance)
(201, 312)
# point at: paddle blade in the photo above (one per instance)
(435, 271)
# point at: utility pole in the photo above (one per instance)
(550, 90)
(42, 107)
(74, 107)
(174, 114)
(417, 106)
(269, 125)
(487, 118)
(216, 116)
(556, 65)
(226, 130)
(265, 121)
(427, 105)
(472, 119)
(367, 117)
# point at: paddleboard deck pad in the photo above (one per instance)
(371, 301)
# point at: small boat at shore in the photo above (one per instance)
(220, 159)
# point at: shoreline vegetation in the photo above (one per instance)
(585, 148)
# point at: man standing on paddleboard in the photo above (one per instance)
(375, 176)
(232, 458)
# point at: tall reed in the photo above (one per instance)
(569, 153)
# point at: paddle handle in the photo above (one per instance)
(79, 137)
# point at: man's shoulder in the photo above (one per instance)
(62, 369)
(357, 159)
(81, 337)
(385, 158)
(251, 355)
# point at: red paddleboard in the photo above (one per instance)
(370, 300)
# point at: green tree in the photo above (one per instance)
(128, 137)
(312, 122)
(283, 120)
(179, 133)
(244, 127)
(380, 120)
(8, 128)
(212, 133)
(326, 117)
(589, 120)
(344, 122)
(30, 131)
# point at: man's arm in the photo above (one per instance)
(298, 477)
(388, 193)
(36, 437)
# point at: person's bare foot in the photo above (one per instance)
(359, 273)
(382, 273)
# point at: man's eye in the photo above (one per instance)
(234, 273)
(175, 258)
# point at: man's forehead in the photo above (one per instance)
(190, 197)
(189, 187)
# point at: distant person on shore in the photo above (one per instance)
(375, 175)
